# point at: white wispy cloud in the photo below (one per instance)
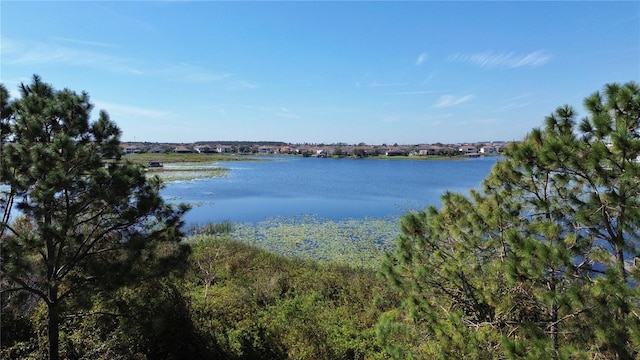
(390, 118)
(331, 110)
(450, 100)
(121, 110)
(242, 85)
(379, 84)
(512, 106)
(422, 58)
(515, 102)
(37, 53)
(185, 72)
(84, 42)
(428, 78)
(437, 120)
(285, 113)
(257, 107)
(489, 59)
(417, 92)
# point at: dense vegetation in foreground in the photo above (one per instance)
(233, 301)
(541, 263)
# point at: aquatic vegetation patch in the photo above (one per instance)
(181, 173)
(354, 242)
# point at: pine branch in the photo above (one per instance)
(23, 287)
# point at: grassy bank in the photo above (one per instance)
(181, 173)
(179, 167)
(172, 158)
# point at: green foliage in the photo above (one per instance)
(84, 224)
(262, 303)
(360, 152)
(540, 264)
(154, 320)
(145, 321)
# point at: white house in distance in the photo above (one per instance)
(493, 147)
(488, 149)
(430, 149)
(224, 149)
(468, 149)
(204, 149)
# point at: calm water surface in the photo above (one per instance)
(332, 188)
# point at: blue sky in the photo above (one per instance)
(323, 72)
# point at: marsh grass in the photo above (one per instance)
(213, 229)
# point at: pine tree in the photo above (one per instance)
(541, 262)
(83, 219)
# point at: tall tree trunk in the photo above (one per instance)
(54, 329)
(53, 305)
(553, 314)
(620, 263)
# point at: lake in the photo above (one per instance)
(335, 189)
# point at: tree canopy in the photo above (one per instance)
(541, 263)
(77, 217)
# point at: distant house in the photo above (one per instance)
(302, 150)
(204, 149)
(181, 149)
(224, 149)
(130, 149)
(395, 152)
(488, 149)
(468, 149)
(348, 150)
(156, 150)
(430, 150)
